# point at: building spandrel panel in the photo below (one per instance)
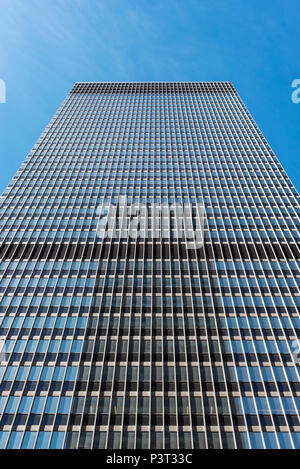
(149, 263)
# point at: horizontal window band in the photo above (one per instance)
(150, 250)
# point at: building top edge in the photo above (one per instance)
(121, 87)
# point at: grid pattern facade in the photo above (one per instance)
(146, 343)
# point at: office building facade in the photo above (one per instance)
(150, 337)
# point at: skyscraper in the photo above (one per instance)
(120, 326)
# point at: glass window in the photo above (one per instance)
(51, 405)
(22, 373)
(2, 403)
(256, 440)
(288, 405)
(34, 373)
(64, 404)
(47, 373)
(85, 440)
(57, 440)
(100, 440)
(12, 404)
(15, 440)
(38, 404)
(227, 440)
(3, 439)
(10, 373)
(43, 440)
(270, 440)
(59, 372)
(71, 373)
(25, 404)
(284, 440)
(29, 440)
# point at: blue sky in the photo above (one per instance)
(46, 46)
